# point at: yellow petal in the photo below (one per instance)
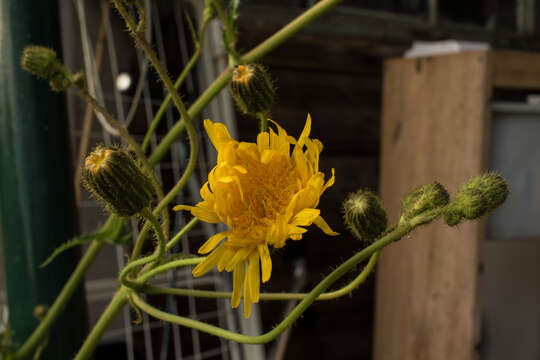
(240, 255)
(239, 276)
(200, 212)
(205, 192)
(240, 169)
(266, 262)
(266, 156)
(225, 259)
(209, 262)
(330, 181)
(263, 142)
(319, 221)
(205, 215)
(247, 299)
(253, 280)
(217, 132)
(305, 133)
(212, 242)
(305, 217)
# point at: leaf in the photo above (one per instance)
(112, 232)
(66, 246)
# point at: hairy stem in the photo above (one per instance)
(179, 81)
(151, 55)
(192, 163)
(397, 234)
(347, 289)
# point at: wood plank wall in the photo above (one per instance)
(434, 124)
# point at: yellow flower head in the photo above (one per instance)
(265, 194)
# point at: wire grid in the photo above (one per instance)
(151, 339)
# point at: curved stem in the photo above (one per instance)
(116, 304)
(347, 289)
(192, 163)
(156, 256)
(168, 266)
(60, 303)
(151, 55)
(397, 234)
(179, 81)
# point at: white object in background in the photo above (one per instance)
(430, 48)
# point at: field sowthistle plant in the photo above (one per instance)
(266, 192)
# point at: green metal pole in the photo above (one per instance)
(36, 199)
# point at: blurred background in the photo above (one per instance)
(371, 114)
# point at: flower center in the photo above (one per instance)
(97, 159)
(267, 190)
(242, 73)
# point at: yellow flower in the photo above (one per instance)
(265, 194)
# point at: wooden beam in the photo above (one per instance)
(516, 69)
(433, 128)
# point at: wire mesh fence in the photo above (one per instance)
(119, 76)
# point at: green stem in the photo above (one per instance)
(114, 307)
(263, 125)
(397, 234)
(181, 233)
(151, 55)
(262, 49)
(156, 256)
(192, 163)
(177, 84)
(60, 302)
(347, 289)
(168, 266)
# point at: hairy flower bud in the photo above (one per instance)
(42, 62)
(115, 179)
(252, 89)
(364, 215)
(477, 197)
(424, 198)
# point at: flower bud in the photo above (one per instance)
(251, 89)
(42, 62)
(424, 198)
(477, 197)
(493, 187)
(114, 178)
(364, 215)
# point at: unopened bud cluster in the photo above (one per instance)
(364, 215)
(252, 89)
(42, 62)
(476, 198)
(114, 178)
(424, 199)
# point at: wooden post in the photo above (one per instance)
(434, 126)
